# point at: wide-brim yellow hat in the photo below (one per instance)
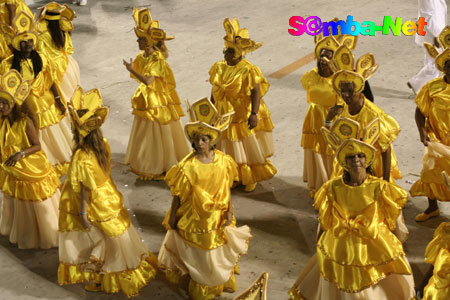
(348, 76)
(198, 127)
(353, 147)
(441, 59)
(24, 36)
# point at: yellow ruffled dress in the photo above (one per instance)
(358, 255)
(157, 141)
(231, 89)
(200, 246)
(389, 132)
(111, 252)
(318, 158)
(55, 133)
(29, 214)
(433, 101)
(65, 67)
(438, 254)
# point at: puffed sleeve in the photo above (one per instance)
(69, 44)
(233, 169)
(441, 240)
(423, 100)
(389, 130)
(82, 172)
(393, 198)
(213, 73)
(323, 204)
(178, 182)
(306, 80)
(157, 67)
(254, 77)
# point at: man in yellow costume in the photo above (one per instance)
(433, 121)
(239, 85)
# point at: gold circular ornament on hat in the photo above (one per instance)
(12, 82)
(23, 22)
(345, 58)
(204, 110)
(145, 19)
(447, 39)
(345, 130)
(352, 147)
(202, 128)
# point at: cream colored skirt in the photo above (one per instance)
(311, 286)
(250, 150)
(208, 267)
(56, 142)
(153, 148)
(317, 169)
(70, 80)
(31, 224)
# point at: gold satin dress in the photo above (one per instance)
(55, 133)
(358, 255)
(30, 191)
(231, 89)
(200, 246)
(438, 254)
(318, 158)
(433, 101)
(157, 140)
(111, 251)
(389, 132)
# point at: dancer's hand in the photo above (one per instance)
(424, 138)
(60, 106)
(85, 222)
(252, 121)
(12, 160)
(229, 218)
(334, 111)
(128, 65)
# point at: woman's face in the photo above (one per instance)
(228, 55)
(202, 143)
(26, 47)
(322, 64)
(142, 42)
(348, 92)
(5, 108)
(356, 161)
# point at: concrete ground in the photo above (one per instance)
(279, 212)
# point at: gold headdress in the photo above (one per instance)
(344, 61)
(238, 39)
(23, 29)
(204, 120)
(444, 41)
(13, 88)
(352, 147)
(63, 13)
(95, 113)
(148, 28)
(344, 129)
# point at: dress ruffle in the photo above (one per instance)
(238, 131)
(250, 174)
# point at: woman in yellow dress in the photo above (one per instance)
(29, 184)
(358, 255)
(55, 27)
(97, 241)
(238, 85)
(157, 141)
(368, 117)
(433, 121)
(202, 242)
(44, 100)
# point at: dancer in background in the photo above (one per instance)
(238, 85)
(202, 241)
(97, 241)
(29, 184)
(157, 141)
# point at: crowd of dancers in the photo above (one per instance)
(58, 191)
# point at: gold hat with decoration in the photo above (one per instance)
(91, 103)
(148, 28)
(204, 120)
(62, 13)
(13, 88)
(344, 61)
(238, 38)
(351, 147)
(444, 41)
(23, 29)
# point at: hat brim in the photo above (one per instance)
(352, 147)
(441, 59)
(348, 76)
(24, 36)
(193, 128)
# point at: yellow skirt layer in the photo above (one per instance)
(238, 131)
(310, 285)
(30, 225)
(250, 174)
(312, 137)
(317, 169)
(70, 80)
(433, 292)
(154, 148)
(431, 190)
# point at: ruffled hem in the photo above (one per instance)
(61, 169)
(238, 131)
(430, 190)
(317, 169)
(162, 114)
(38, 190)
(250, 174)
(49, 117)
(147, 176)
(316, 143)
(129, 281)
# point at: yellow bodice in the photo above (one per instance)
(41, 100)
(159, 100)
(357, 247)
(231, 89)
(204, 191)
(32, 178)
(105, 209)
